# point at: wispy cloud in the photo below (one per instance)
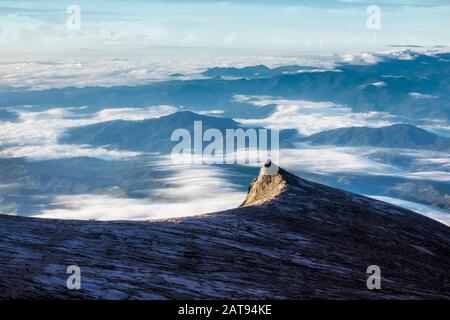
(60, 151)
(311, 117)
(326, 160)
(330, 160)
(418, 95)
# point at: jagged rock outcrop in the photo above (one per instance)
(291, 239)
(270, 183)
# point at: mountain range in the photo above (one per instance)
(417, 88)
(259, 71)
(395, 136)
(312, 241)
(153, 135)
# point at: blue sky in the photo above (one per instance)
(37, 29)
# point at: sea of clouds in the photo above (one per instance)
(192, 190)
(195, 189)
(107, 72)
(39, 75)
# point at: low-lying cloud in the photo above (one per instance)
(192, 190)
(135, 71)
(329, 160)
(365, 58)
(311, 117)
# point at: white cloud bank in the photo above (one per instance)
(193, 190)
(135, 71)
(311, 117)
(365, 58)
(200, 189)
(329, 160)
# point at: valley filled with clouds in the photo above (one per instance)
(62, 154)
(253, 149)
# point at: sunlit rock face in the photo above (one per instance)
(269, 184)
(292, 239)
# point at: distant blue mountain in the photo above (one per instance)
(417, 88)
(259, 71)
(395, 136)
(154, 135)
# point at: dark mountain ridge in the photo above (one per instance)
(258, 71)
(153, 135)
(395, 136)
(292, 238)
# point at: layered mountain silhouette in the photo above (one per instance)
(291, 238)
(258, 71)
(417, 88)
(394, 136)
(153, 135)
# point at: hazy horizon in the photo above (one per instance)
(32, 30)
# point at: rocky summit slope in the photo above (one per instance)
(291, 239)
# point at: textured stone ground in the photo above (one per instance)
(307, 241)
